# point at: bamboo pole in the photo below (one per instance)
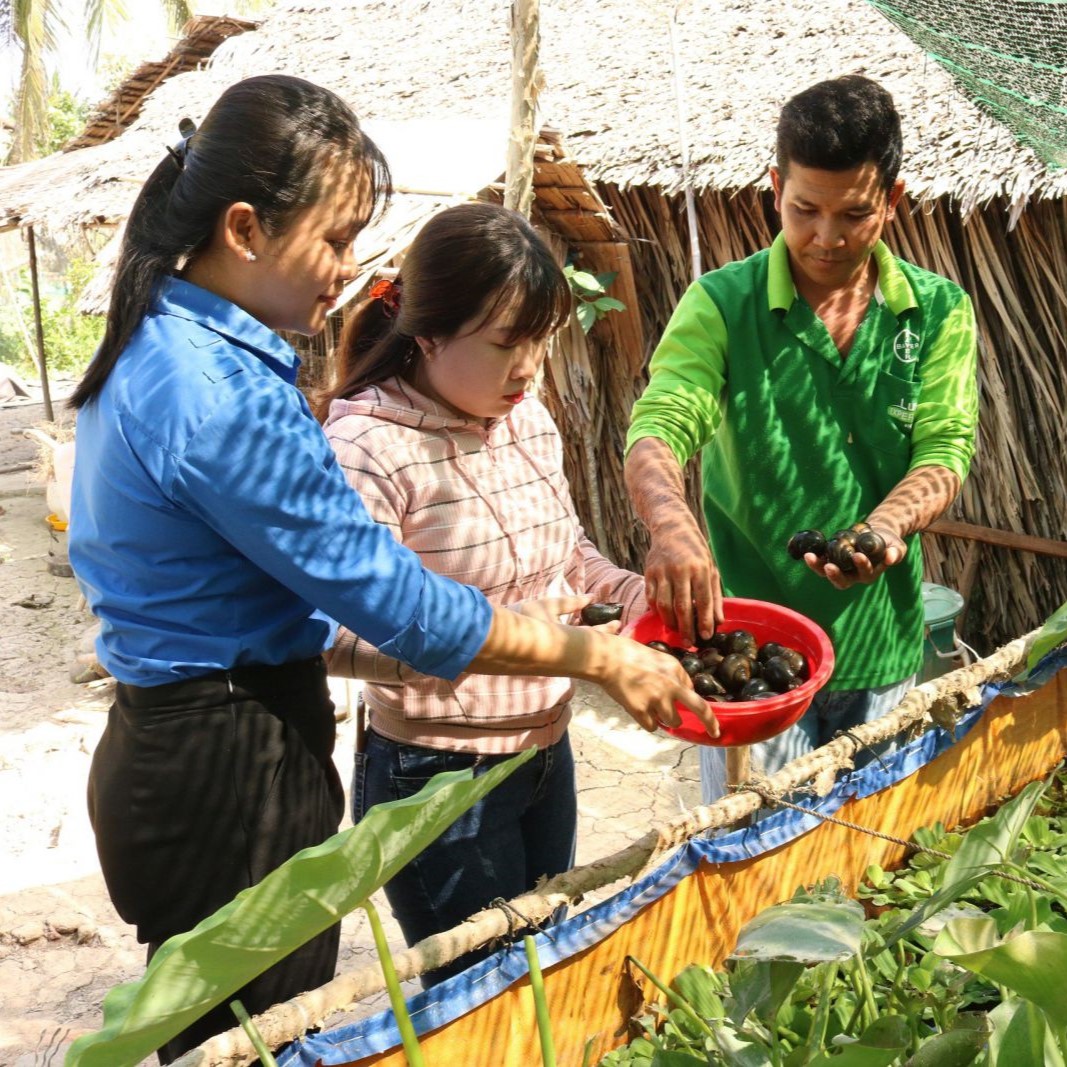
(683, 144)
(937, 702)
(525, 85)
(42, 364)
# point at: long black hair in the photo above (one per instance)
(267, 141)
(464, 265)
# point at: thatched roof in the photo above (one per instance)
(200, 36)
(428, 175)
(608, 87)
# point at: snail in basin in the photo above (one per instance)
(735, 667)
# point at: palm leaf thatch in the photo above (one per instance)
(983, 209)
(200, 36)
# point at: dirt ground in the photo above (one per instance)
(62, 947)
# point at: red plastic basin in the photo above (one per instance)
(746, 722)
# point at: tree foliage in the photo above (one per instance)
(36, 28)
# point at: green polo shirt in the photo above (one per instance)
(794, 436)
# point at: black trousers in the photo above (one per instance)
(197, 790)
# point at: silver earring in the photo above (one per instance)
(250, 255)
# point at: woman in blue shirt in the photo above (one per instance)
(217, 540)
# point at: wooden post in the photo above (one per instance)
(737, 766)
(1042, 546)
(525, 85)
(42, 366)
(966, 582)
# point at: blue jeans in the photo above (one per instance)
(829, 714)
(525, 828)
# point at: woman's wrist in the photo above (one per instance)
(519, 644)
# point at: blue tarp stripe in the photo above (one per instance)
(480, 983)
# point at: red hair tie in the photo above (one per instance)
(389, 294)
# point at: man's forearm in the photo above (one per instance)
(681, 579)
(919, 498)
(656, 486)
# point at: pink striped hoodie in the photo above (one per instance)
(488, 505)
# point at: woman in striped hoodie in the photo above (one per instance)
(435, 426)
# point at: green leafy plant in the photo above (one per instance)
(960, 965)
(194, 971)
(70, 338)
(591, 302)
(1032, 964)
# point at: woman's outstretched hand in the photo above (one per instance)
(645, 682)
(648, 683)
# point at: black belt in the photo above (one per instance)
(247, 681)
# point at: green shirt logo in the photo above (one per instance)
(904, 412)
(906, 346)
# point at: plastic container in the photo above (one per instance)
(746, 722)
(58, 487)
(942, 650)
(59, 490)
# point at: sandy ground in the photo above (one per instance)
(62, 947)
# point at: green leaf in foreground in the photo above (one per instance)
(806, 931)
(1021, 1035)
(1033, 964)
(702, 988)
(1052, 634)
(194, 971)
(761, 987)
(878, 1046)
(984, 848)
(957, 1047)
(660, 1058)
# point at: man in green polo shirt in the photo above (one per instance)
(825, 382)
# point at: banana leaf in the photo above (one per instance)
(194, 971)
(1053, 634)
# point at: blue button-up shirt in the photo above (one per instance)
(212, 527)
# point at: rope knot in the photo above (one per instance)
(511, 913)
(761, 785)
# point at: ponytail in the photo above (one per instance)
(371, 349)
(142, 264)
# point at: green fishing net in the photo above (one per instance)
(1009, 56)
